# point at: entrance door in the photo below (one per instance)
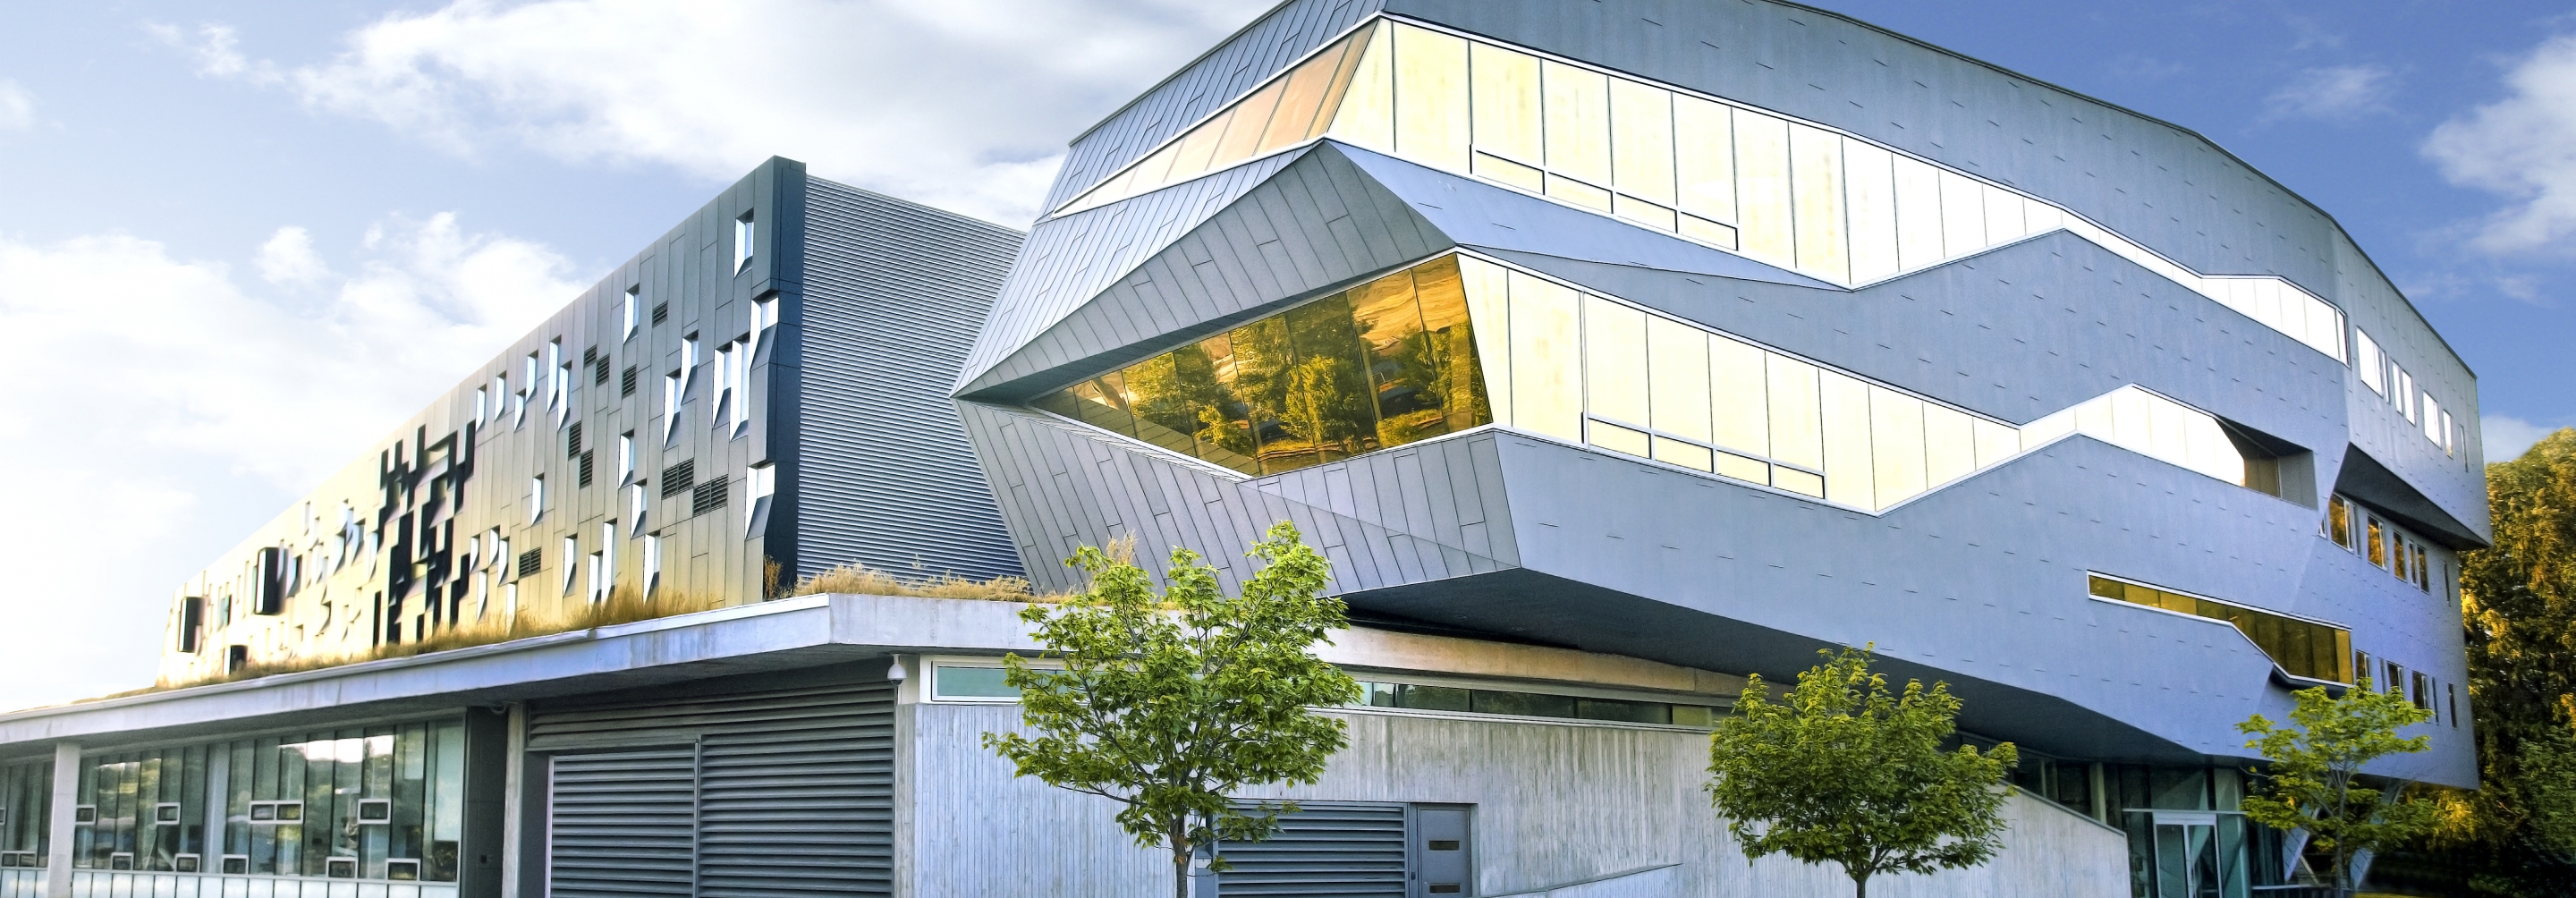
(2187, 856)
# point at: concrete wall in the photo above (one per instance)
(1557, 803)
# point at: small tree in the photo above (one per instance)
(1168, 703)
(2312, 780)
(1845, 773)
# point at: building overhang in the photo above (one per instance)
(783, 635)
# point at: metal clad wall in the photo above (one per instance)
(1261, 49)
(1069, 260)
(620, 824)
(1420, 512)
(1316, 224)
(884, 476)
(792, 789)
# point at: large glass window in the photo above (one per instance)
(1382, 364)
(2303, 648)
(383, 802)
(26, 813)
(1460, 341)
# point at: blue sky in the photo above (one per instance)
(240, 241)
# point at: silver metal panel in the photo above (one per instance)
(1068, 260)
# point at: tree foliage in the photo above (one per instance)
(1844, 772)
(1169, 703)
(2311, 782)
(2518, 599)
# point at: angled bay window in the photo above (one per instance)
(2303, 648)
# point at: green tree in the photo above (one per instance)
(2312, 782)
(2518, 599)
(1844, 772)
(1167, 703)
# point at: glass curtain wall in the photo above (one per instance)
(1382, 364)
(1777, 189)
(1459, 341)
(2303, 648)
(382, 802)
(26, 811)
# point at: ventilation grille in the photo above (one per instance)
(626, 383)
(586, 468)
(661, 312)
(1323, 849)
(677, 478)
(599, 372)
(590, 355)
(531, 561)
(707, 497)
(572, 441)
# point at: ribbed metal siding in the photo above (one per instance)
(894, 293)
(620, 824)
(786, 792)
(1325, 848)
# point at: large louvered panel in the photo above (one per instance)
(621, 824)
(805, 811)
(787, 792)
(1325, 848)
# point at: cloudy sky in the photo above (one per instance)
(239, 241)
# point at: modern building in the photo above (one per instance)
(1611, 351)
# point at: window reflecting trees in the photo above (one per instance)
(1382, 364)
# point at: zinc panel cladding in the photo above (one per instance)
(620, 824)
(1420, 512)
(1324, 848)
(1314, 225)
(884, 475)
(1066, 261)
(1253, 54)
(791, 789)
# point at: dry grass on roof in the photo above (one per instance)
(862, 580)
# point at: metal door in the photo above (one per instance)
(1442, 850)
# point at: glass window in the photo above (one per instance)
(1283, 112)
(1546, 390)
(1870, 179)
(2376, 543)
(26, 813)
(2303, 648)
(952, 681)
(1816, 190)
(1614, 353)
(1431, 97)
(1576, 110)
(1704, 161)
(2338, 523)
(742, 236)
(1641, 141)
(1505, 85)
(1762, 187)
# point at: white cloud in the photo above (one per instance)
(216, 47)
(288, 258)
(2333, 92)
(2507, 438)
(17, 107)
(964, 104)
(164, 408)
(2523, 148)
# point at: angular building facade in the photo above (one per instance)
(1610, 350)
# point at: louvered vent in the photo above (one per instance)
(677, 478)
(586, 468)
(531, 561)
(661, 310)
(626, 382)
(572, 441)
(599, 372)
(707, 497)
(1325, 848)
(622, 824)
